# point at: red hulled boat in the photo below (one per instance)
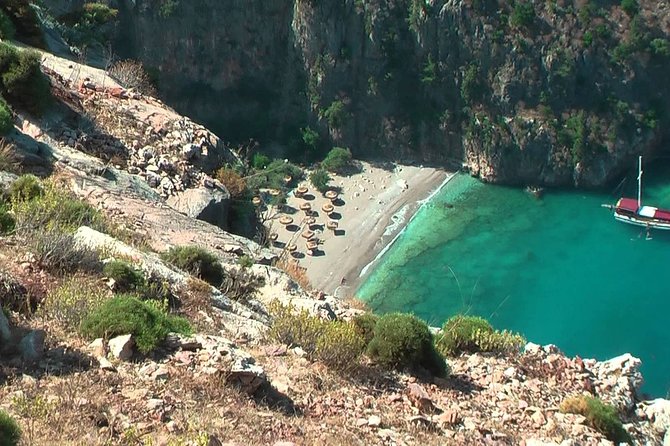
(631, 210)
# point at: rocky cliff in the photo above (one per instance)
(556, 93)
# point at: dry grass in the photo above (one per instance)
(295, 272)
(9, 160)
(356, 303)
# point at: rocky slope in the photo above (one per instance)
(228, 382)
(557, 93)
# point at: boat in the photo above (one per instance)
(633, 212)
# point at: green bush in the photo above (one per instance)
(26, 187)
(272, 177)
(630, 7)
(660, 47)
(310, 137)
(365, 326)
(295, 328)
(337, 344)
(340, 345)
(246, 261)
(126, 276)
(403, 341)
(338, 160)
(320, 179)
(600, 416)
(10, 433)
(523, 14)
(336, 114)
(260, 161)
(24, 83)
(73, 301)
(126, 314)
(39, 206)
(474, 334)
(25, 20)
(196, 261)
(7, 30)
(7, 221)
(6, 118)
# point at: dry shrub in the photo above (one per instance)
(295, 272)
(131, 74)
(232, 181)
(71, 302)
(356, 304)
(9, 160)
(241, 284)
(600, 416)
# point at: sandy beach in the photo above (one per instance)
(372, 208)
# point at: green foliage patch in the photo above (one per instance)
(10, 432)
(6, 119)
(320, 180)
(126, 276)
(474, 334)
(23, 83)
(196, 261)
(338, 160)
(404, 341)
(600, 416)
(125, 314)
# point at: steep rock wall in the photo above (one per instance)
(556, 93)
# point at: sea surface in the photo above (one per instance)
(558, 270)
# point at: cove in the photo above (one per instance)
(558, 270)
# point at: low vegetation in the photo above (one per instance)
(22, 82)
(335, 343)
(196, 261)
(338, 160)
(126, 314)
(471, 334)
(10, 432)
(600, 416)
(132, 75)
(74, 300)
(320, 180)
(403, 341)
(365, 326)
(126, 277)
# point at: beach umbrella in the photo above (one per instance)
(332, 225)
(327, 208)
(287, 179)
(307, 234)
(291, 248)
(306, 207)
(331, 194)
(310, 221)
(301, 190)
(285, 220)
(256, 201)
(274, 236)
(274, 192)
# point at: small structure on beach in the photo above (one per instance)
(273, 237)
(332, 225)
(306, 207)
(307, 234)
(256, 201)
(312, 245)
(285, 220)
(328, 208)
(292, 248)
(301, 191)
(310, 221)
(331, 195)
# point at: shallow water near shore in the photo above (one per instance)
(559, 270)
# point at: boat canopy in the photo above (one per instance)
(627, 204)
(647, 211)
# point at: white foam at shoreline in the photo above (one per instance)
(398, 221)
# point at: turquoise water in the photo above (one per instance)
(559, 270)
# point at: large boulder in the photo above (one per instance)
(210, 205)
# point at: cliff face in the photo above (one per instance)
(554, 92)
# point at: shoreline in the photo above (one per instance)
(374, 208)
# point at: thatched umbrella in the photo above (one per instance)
(256, 201)
(301, 190)
(327, 208)
(331, 194)
(307, 234)
(274, 192)
(306, 207)
(291, 248)
(287, 179)
(332, 225)
(309, 221)
(274, 236)
(285, 220)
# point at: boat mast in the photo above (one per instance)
(639, 182)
